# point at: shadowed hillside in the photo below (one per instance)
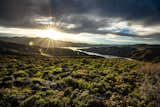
(7, 48)
(139, 52)
(42, 42)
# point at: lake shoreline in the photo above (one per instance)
(80, 49)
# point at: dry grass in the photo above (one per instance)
(151, 69)
(150, 87)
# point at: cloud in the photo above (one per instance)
(22, 12)
(81, 37)
(125, 17)
(145, 10)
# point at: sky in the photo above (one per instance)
(86, 21)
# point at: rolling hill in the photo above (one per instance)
(42, 42)
(7, 48)
(140, 52)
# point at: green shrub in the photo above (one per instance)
(20, 73)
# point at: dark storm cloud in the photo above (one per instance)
(61, 7)
(22, 12)
(84, 23)
(146, 10)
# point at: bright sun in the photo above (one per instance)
(51, 33)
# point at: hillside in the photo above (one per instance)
(42, 42)
(7, 48)
(139, 52)
(73, 79)
(36, 81)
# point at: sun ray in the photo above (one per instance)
(48, 46)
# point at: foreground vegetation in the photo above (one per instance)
(36, 81)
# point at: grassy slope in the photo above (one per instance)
(52, 82)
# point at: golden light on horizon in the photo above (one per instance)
(50, 33)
